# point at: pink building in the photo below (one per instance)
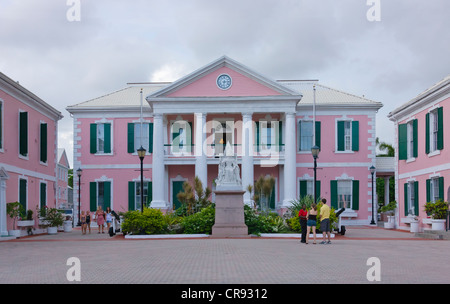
(423, 153)
(28, 150)
(271, 126)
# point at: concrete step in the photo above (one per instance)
(434, 234)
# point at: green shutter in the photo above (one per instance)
(1, 125)
(43, 195)
(303, 187)
(428, 190)
(415, 147)
(106, 195)
(150, 138)
(318, 189)
(23, 193)
(175, 137)
(355, 194)
(93, 139)
(93, 196)
(318, 130)
(130, 140)
(405, 187)
(107, 148)
(402, 141)
(177, 187)
(299, 145)
(334, 194)
(416, 198)
(341, 135)
(441, 188)
(43, 143)
(189, 138)
(23, 133)
(131, 196)
(355, 135)
(427, 133)
(257, 136)
(280, 136)
(440, 135)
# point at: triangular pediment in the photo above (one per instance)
(239, 81)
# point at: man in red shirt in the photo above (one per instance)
(302, 216)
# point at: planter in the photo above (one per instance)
(414, 226)
(14, 232)
(25, 223)
(390, 224)
(438, 225)
(67, 226)
(52, 230)
(43, 222)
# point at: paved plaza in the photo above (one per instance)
(402, 258)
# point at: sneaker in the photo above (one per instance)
(323, 242)
(329, 242)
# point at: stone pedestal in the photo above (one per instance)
(229, 220)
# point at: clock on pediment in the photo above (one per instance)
(224, 81)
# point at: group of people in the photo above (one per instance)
(100, 217)
(308, 221)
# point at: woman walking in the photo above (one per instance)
(311, 223)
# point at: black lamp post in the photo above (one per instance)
(141, 153)
(79, 171)
(372, 171)
(315, 153)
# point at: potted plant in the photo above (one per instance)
(42, 212)
(54, 219)
(14, 210)
(27, 220)
(438, 212)
(389, 209)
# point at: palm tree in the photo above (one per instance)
(383, 146)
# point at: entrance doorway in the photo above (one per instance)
(223, 134)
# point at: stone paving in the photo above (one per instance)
(403, 258)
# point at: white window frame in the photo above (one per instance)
(340, 201)
(300, 148)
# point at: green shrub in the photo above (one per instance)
(263, 223)
(200, 222)
(294, 224)
(151, 221)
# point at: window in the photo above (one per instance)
(100, 142)
(435, 189)
(181, 137)
(411, 194)
(23, 134)
(345, 194)
(306, 135)
(100, 195)
(347, 135)
(134, 137)
(134, 194)
(269, 135)
(407, 140)
(306, 188)
(434, 140)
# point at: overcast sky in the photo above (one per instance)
(116, 41)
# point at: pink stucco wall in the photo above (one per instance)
(438, 163)
(242, 86)
(28, 168)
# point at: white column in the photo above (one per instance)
(247, 156)
(3, 228)
(201, 167)
(289, 160)
(158, 163)
(386, 190)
